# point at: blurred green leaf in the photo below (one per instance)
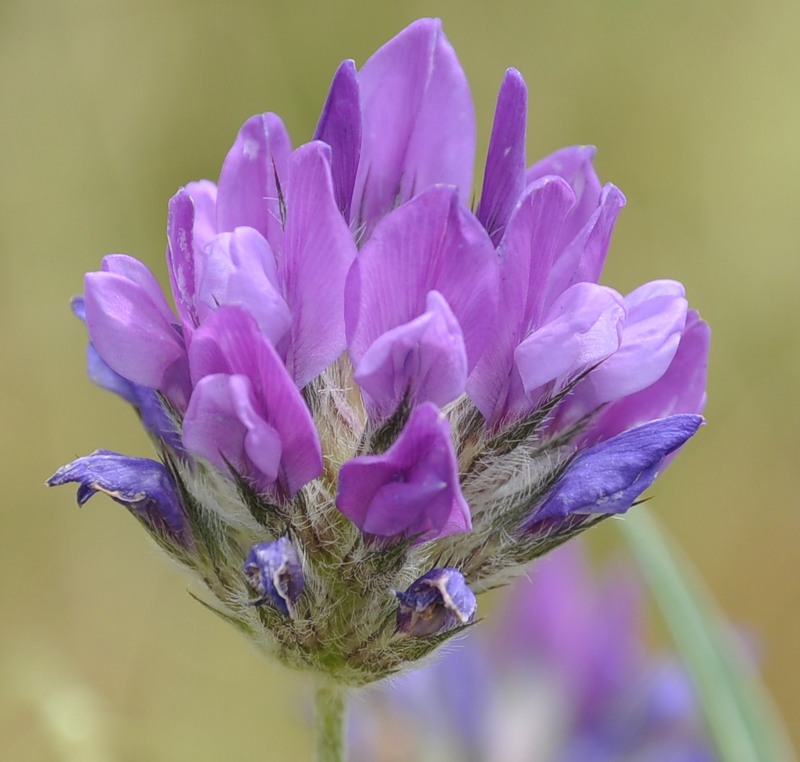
(740, 714)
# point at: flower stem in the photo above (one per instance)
(329, 711)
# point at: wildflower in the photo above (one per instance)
(560, 674)
(371, 403)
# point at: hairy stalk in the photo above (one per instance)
(329, 713)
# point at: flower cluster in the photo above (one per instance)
(373, 402)
(561, 674)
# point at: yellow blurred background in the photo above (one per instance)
(107, 106)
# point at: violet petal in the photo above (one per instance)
(129, 328)
(318, 252)
(583, 259)
(651, 332)
(145, 400)
(229, 342)
(204, 198)
(418, 122)
(682, 389)
(526, 253)
(504, 178)
(102, 374)
(248, 190)
(582, 328)
(340, 127)
(181, 255)
(223, 425)
(144, 486)
(436, 602)
(411, 490)
(239, 268)
(424, 360)
(98, 370)
(429, 244)
(137, 272)
(573, 164)
(608, 477)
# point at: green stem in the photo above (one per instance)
(329, 711)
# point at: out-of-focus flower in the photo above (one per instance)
(560, 674)
(371, 402)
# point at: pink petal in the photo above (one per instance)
(318, 252)
(419, 122)
(425, 359)
(526, 253)
(248, 192)
(429, 244)
(580, 330)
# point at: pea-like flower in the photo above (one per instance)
(369, 395)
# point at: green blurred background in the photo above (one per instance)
(106, 107)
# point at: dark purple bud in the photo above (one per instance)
(608, 477)
(144, 486)
(437, 602)
(274, 571)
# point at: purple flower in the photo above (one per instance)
(560, 674)
(608, 477)
(431, 244)
(144, 399)
(412, 490)
(133, 329)
(245, 411)
(556, 322)
(360, 362)
(143, 486)
(419, 361)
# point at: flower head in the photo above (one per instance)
(365, 387)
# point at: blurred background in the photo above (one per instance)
(107, 106)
